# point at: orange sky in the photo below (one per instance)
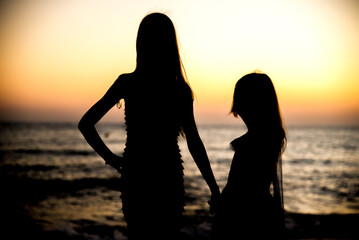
(58, 57)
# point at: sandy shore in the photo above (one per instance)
(298, 226)
(333, 226)
(19, 225)
(196, 226)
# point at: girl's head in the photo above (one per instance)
(255, 101)
(157, 48)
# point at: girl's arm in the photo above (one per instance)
(92, 116)
(199, 154)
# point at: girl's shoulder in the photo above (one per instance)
(125, 78)
(124, 82)
(240, 142)
(186, 90)
(252, 140)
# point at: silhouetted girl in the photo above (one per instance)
(158, 108)
(247, 209)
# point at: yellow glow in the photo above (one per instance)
(61, 56)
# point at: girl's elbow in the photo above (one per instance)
(82, 125)
(194, 144)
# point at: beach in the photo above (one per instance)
(20, 195)
(17, 224)
(53, 186)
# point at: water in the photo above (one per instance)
(63, 184)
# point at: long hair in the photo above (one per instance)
(157, 47)
(255, 99)
(158, 59)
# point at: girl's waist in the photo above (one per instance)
(248, 192)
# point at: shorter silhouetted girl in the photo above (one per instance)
(251, 204)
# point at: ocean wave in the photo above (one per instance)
(66, 152)
(16, 168)
(23, 187)
(300, 161)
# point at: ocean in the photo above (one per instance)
(53, 179)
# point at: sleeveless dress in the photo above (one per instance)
(247, 209)
(152, 175)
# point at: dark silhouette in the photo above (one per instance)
(158, 108)
(247, 209)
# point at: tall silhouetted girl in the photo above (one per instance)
(158, 108)
(247, 209)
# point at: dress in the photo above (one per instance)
(247, 209)
(152, 175)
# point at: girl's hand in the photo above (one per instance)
(214, 201)
(116, 162)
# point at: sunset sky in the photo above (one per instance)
(57, 58)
